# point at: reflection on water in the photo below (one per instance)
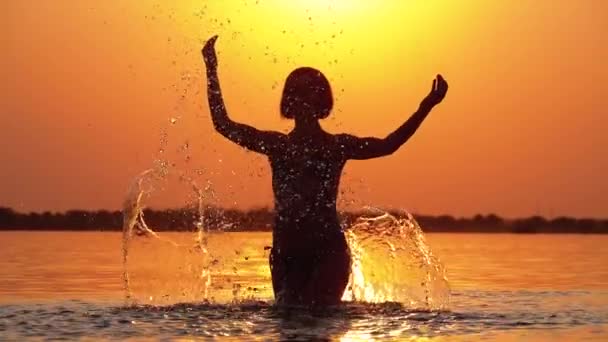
(87, 265)
(504, 287)
(261, 321)
(171, 269)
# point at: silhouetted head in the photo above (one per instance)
(307, 92)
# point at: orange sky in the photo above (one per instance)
(89, 88)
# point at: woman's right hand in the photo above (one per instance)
(438, 91)
(209, 55)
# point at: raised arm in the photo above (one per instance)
(367, 148)
(249, 137)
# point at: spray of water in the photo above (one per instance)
(391, 260)
(393, 263)
(154, 258)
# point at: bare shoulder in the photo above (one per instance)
(344, 139)
(275, 137)
(273, 141)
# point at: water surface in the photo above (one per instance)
(504, 287)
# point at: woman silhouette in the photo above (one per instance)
(310, 260)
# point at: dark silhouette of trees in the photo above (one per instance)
(260, 219)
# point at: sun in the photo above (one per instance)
(317, 32)
(331, 5)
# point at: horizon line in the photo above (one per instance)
(349, 211)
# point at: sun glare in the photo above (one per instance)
(355, 43)
(335, 5)
(314, 31)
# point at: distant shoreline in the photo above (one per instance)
(234, 220)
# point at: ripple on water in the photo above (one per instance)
(262, 320)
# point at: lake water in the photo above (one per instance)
(69, 285)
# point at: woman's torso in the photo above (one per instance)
(305, 179)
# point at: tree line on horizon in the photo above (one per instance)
(261, 219)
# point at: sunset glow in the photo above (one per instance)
(519, 134)
(323, 170)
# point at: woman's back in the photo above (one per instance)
(310, 261)
(306, 175)
(305, 179)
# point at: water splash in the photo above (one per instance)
(152, 257)
(391, 262)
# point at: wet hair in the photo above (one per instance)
(307, 92)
